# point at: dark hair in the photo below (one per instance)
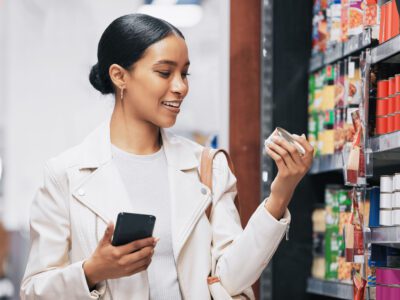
(124, 42)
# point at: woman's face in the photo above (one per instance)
(157, 84)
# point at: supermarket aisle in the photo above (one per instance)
(354, 124)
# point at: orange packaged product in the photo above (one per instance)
(355, 17)
(389, 19)
(395, 30)
(382, 26)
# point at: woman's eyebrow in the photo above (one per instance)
(169, 62)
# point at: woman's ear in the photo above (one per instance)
(118, 75)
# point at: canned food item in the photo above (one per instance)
(392, 86)
(391, 105)
(389, 13)
(391, 123)
(385, 201)
(396, 200)
(396, 217)
(383, 89)
(397, 102)
(386, 184)
(286, 136)
(382, 107)
(396, 182)
(397, 121)
(397, 83)
(381, 125)
(385, 217)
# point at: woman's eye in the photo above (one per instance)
(185, 75)
(164, 74)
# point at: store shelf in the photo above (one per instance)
(340, 51)
(386, 142)
(327, 163)
(334, 289)
(389, 49)
(333, 54)
(357, 43)
(387, 236)
(316, 62)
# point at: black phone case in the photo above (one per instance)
(131, 227)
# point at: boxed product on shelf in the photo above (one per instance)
(356, 15)
(319, 227)
(334, 22)
(345, 10)
(354, 96)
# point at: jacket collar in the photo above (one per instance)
(97, 147)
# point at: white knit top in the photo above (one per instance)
(146, 181)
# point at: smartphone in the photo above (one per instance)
(131, 227)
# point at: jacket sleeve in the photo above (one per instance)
(49, 273)
(241, 254)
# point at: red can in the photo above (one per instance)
(392, 86)
(397, 121)
(383, 88)
(397, 103)
(391, 105)
(389, 19)
(395, 20)
(381, 125)
(391, 123)
(382, 107)
(397, 83)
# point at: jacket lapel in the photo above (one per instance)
(104, 193)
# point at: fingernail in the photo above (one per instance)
(303, 135)
(156, 240)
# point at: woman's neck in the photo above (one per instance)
(133, 135)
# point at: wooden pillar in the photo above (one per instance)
(244, 135)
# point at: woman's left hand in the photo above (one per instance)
(291, 168)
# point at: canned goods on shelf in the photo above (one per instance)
(381, 125)
(383, 89)
(386, 184)
(391, 124)
(391, 106)
(382, 107)
(396, 182)
(396, 217)
(385, 217)
(397, 121)
(397, 102)
(397, 83)
(396, 200)
(386, 201)
(392, 86)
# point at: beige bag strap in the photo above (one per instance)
(206, 168)
(4, 244)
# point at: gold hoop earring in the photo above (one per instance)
(122, 93)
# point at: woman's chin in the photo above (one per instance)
(168, 123)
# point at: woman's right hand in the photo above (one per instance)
(109, 262)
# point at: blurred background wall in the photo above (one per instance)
(47, 104)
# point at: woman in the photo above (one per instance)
(131, 164)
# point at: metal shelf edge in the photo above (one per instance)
(385, 50)
(327, 163)
(335, 289)
(385, 142)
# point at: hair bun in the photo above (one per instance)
(99, 83)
